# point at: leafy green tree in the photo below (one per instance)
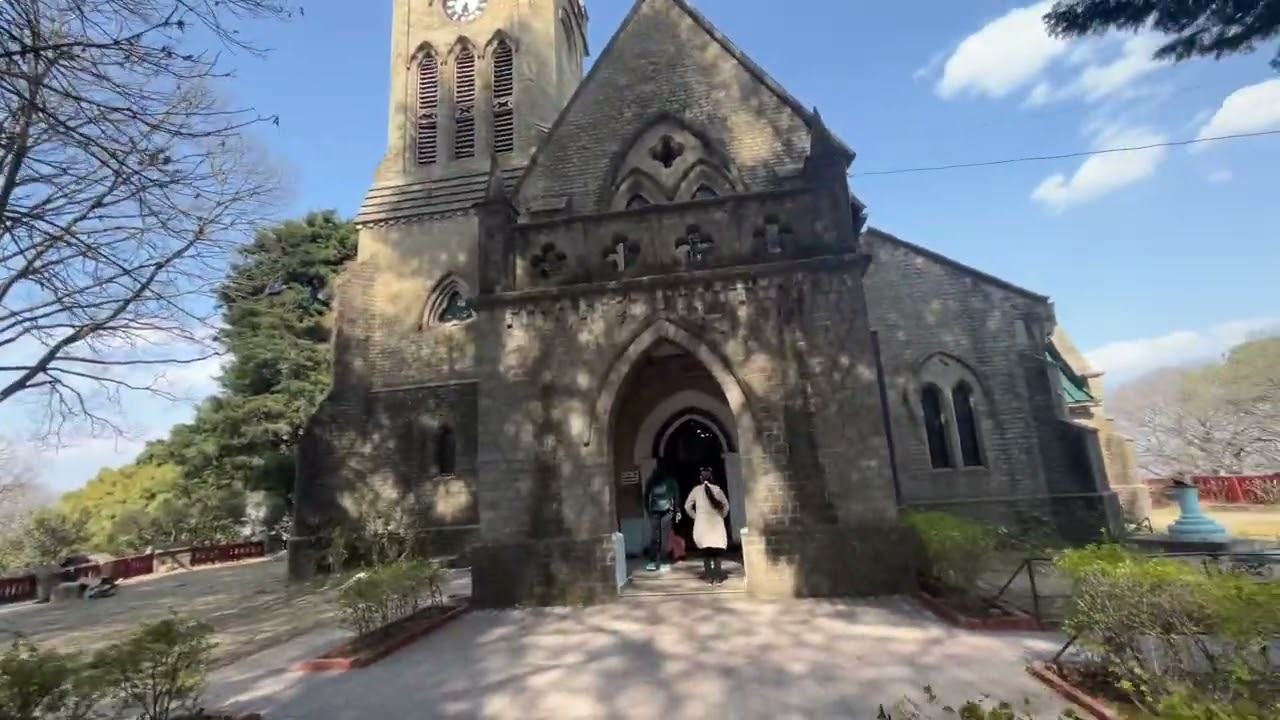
(277, 325)
(1213, 28)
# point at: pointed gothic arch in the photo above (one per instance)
(449, 303)
(703, 173)
(463, 43)
(638, 182)
(502, 88)
(425, 99)
(670, 150)
(463, 60)
(601, 422)
(949, 401)
(498, 36)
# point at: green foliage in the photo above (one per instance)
(42, 685)
(190, 487)
(957, 550)
(983, 709)
(1198, 28)
(46, 537)
(1173, 635)
(158, 672)
(387, 593)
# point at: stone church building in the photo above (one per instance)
(567, 279)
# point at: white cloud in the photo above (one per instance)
(1218, 177)
(1129, 358)
(1101, 174)
(1253, 108)
(1006, 54)
(930, 68)
(1101, 80)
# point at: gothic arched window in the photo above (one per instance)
(455, 309)
(935, 426)
(966, 424)
(428, 110)
(637, 201)
(705, 192)
(504, 87)
(446, 451)
(464, 104)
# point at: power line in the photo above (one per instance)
(1064, 156)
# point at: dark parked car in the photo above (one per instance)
(68, 566)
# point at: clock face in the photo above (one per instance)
(464, 10)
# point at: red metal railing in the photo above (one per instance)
(22, 588)
(227, 553)
(17, 589)
(132, 566)
(1231, 489)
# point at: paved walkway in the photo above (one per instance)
(691, 657)
(250, 606)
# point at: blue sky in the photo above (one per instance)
(1153, 258)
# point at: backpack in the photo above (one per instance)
(660, 496)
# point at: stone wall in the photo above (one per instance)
(923, 305)
(788, 349)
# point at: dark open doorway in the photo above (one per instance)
(692, 443)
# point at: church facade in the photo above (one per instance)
(566, 281)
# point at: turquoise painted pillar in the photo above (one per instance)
(1192, 524)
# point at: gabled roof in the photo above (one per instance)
(702, 22)
(943, 259)
(403, 201)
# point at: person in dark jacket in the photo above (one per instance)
(662, 501)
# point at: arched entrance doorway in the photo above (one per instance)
(687, 442)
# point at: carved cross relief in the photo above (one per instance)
(548, 261)
(666, 151)
(775, 234)
(622, 252)
(694, 245)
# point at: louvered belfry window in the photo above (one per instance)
(428, 123)
(504, 87)
(464, 97)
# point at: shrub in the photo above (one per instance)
(388, 593)
(38, 684)
(1172, 633)
(984, 709)
(957, 551)
(159, 672)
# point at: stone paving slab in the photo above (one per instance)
(690, 657)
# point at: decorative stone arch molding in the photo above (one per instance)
(703, 173)
(641, 183)
(441, 296)
(725, 426)
(949, 373)
(602, 412)
(674, 155)
(462, 43)
(499, 36)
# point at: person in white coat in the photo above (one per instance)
(708, 506)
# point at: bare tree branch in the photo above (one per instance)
(126, 184)
(1222, 419)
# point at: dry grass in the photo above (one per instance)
(1261, 523)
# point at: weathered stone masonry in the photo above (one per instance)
(686, 221)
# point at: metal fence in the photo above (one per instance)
(21, 588)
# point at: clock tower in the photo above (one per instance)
(475, 78)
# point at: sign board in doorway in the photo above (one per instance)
(631, 477)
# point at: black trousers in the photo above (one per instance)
(660, 535)
(711, 562)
